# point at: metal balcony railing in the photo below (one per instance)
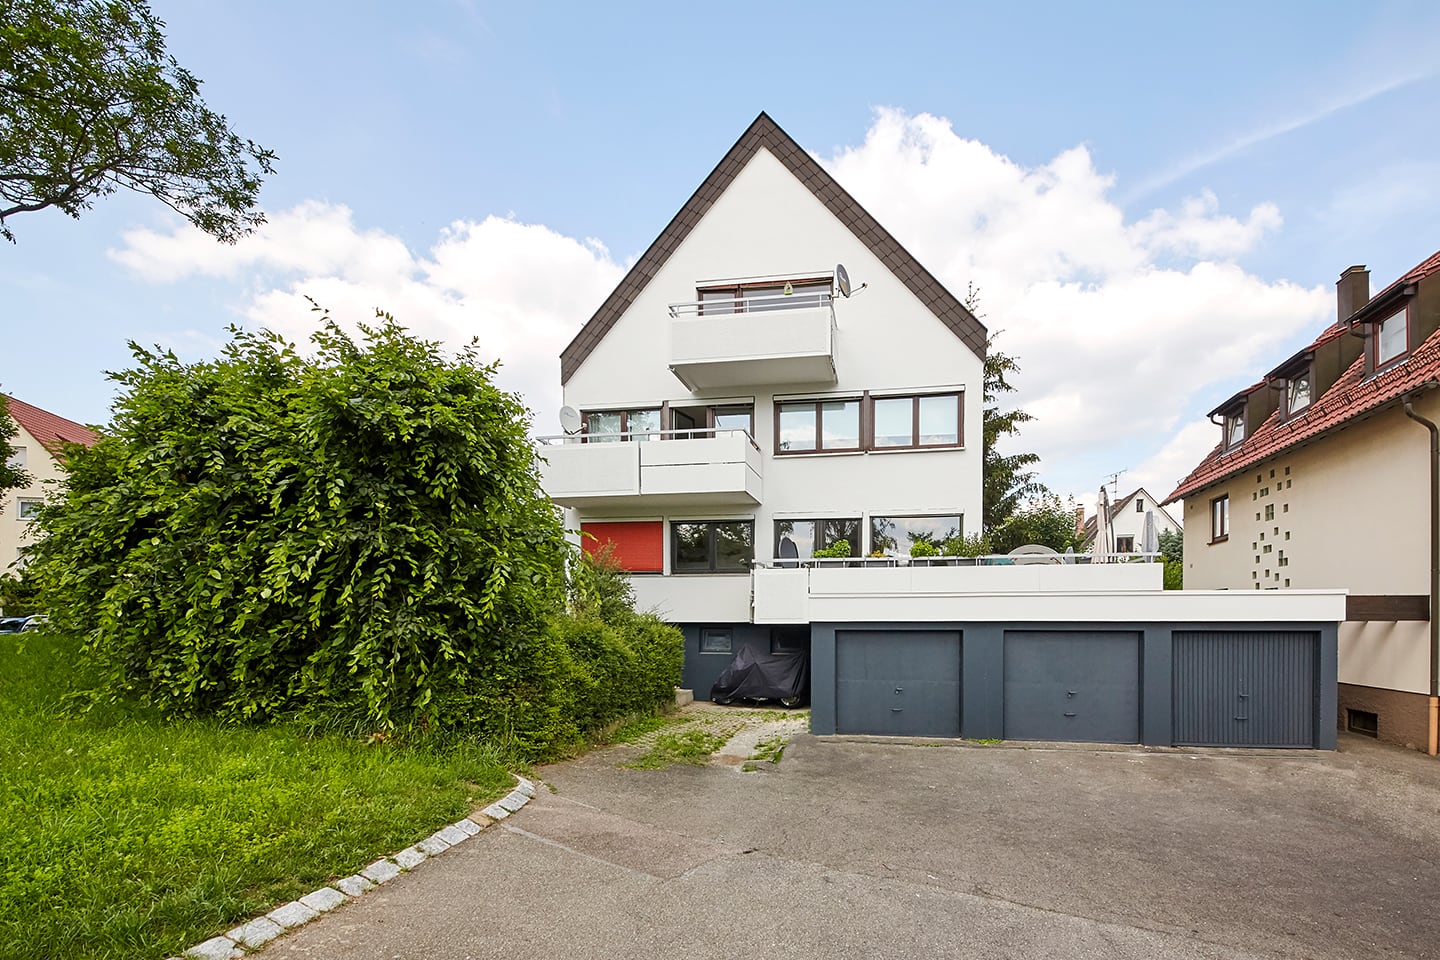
(645, 436)
(727, 306)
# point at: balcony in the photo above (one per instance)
(749, 341)
(702, 468)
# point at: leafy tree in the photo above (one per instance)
(1045, 520)
(1172, 545)
(90, 103)
(1008, 481)
(11, 476)
(359, 532)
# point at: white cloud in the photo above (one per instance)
(1121, 328)
(1117, 327)
(1164, 470)
(522, 289)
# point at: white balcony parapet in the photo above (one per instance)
(703, 467)
(744, 341)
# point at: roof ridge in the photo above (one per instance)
(765, 132)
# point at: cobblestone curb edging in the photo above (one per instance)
(260, 931)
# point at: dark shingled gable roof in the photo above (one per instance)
(764, 132)
(1351, 398)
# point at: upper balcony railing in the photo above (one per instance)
(721, 342)
(699, 467)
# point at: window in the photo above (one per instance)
(1220, 519)
(1363, 722)
(913, 422)
(29, 507)
(1139, 504)
(716, 640)
(1298, 392)
(712, 546)
(607, 426)
(1125, 544)
(765, 296)
(17, 458)
(1234, 429)
(893, 536)
(705, 421)
(789, 640)
(638, 546)
(807, 536)
(1390, 337)
(820, 425)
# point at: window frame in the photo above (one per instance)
(710, 549)
(1381, 364)
(1220, 521)
(1125, 543)
(624, 412)
(915, 444)
(870, 548)
(856, 545)
(727, 632)
(22, 502)
(819, 447)
(1290, 409)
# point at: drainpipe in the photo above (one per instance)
(1434, 745)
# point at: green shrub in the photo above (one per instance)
(924, 548)
(838, 550)
(356, 533)
(974, 545)
(1174, 575)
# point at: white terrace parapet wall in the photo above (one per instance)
(694, 471)
(1102, 593)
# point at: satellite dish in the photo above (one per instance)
(842, 280)
(570, 420)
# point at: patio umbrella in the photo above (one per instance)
(1104, 532)
(1149, 539)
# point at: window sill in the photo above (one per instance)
(935, 448)
(1219, 539)
(787, 454)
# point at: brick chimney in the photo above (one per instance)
(1079, 521)
(1352, 291)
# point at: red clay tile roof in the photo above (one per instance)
(766, 133)
(53, 432)
(1349, 399)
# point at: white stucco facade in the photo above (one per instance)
(15, 530)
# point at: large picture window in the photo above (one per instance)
(799, 539)
(608, 426)
(712, 546)
(817, 426)
(913, 422)
(894, 536)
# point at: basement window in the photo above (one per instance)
(716, 640)
(1362, 722)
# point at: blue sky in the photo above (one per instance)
(425, 148)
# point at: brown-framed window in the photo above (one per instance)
(712, 546)
(1392, 337)
(916, 422)
(765, 296)
(1220, 518)
(712, 420)
(608, 426)
(817, 426)
(1299, 391)
(806, 536)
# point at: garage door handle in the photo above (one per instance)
(1242, 719)
(1069, 693)
(897, 709)
(899, 689)
(1069, 714)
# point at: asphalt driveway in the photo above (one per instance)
(886, 849)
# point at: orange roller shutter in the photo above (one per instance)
(638, 545)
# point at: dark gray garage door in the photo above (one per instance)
(898, 682)
(1245, 689)
(1072, 685)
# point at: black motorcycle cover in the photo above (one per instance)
(753, 675)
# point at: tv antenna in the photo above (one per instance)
(570, 420)
(1115, 481)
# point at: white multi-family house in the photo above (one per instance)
(776, 374)
(39, 446)
(1127, 522)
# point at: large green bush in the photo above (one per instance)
(356, 532)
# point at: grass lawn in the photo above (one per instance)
(127, 836)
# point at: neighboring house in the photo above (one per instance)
(1127, 519)
(1321, 479)
(733, 411)
(39, 446)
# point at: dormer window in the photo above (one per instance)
(1391, 337)
(1299, 391)
(1234, 428)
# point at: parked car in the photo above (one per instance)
(34, 623)
(12, 624)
